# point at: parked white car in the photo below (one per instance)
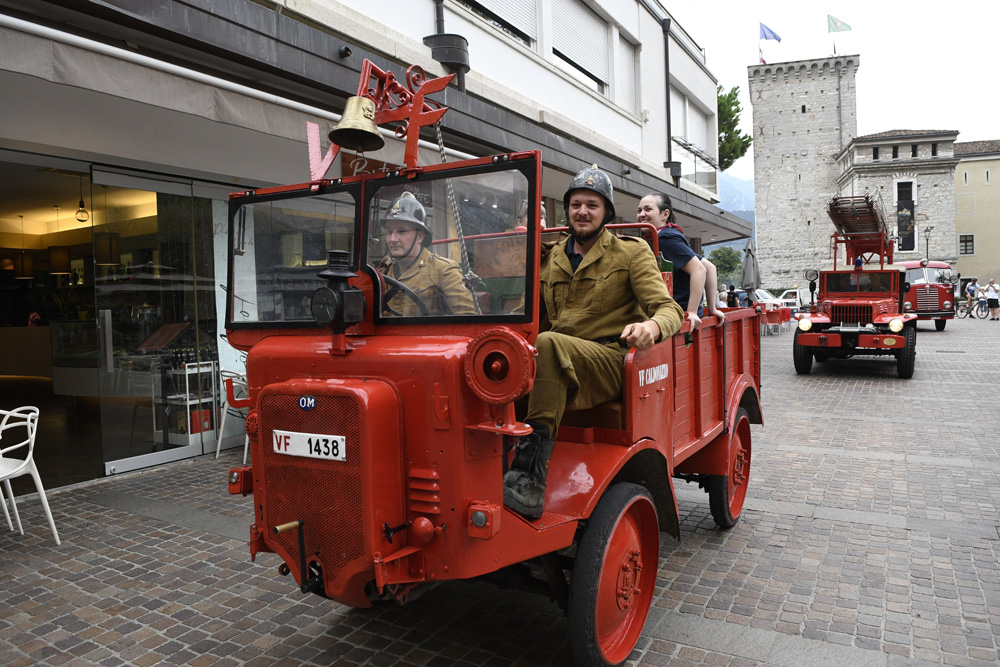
(765, 299)
(797, 298)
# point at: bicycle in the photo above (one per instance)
(978, 310)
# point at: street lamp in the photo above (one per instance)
(927, 240)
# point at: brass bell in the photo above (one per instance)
(357, 129)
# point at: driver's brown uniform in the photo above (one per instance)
(436, 280)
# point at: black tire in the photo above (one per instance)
(802, 356)
(940, 324)
(908, 355)
(614, 575)
(727, 493)
(962, 311)
(982, 311)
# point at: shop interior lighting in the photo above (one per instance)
(82, 215)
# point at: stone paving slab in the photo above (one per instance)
(869, 537)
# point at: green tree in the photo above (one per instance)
(732, 144)
(727, 261)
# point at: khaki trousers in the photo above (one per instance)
(573, 373)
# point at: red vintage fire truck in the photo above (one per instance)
(379, 433)
(932, 294)
(859, 309)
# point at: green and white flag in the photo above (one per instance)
(833, 24)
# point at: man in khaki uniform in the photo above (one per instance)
(603, 295)
(436, 281)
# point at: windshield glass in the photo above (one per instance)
(916, 276)
(449, 247)
(859, 281)
(278, 247)
(939, 275)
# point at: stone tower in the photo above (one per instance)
(804, 116)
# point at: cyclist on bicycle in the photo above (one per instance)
(970, 293)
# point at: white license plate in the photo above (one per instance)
(310, 445)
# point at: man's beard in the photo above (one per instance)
(583, 237)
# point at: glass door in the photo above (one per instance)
(155, 307)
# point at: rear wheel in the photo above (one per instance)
(962, 311)
(802, 356)
(727, 493)
(940, 324)
(908, 355)
(613, 577)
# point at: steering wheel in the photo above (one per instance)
(407, 292)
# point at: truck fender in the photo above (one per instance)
(713, 458)
(579, 475)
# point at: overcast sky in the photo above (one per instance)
(924, 66)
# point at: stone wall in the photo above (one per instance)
(804, 115)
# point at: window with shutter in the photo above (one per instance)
(625, 75)
(581, 38)
(522, 15)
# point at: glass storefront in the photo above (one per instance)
(123, 351)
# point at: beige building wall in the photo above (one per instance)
(977, 209)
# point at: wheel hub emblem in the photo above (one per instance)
(628, 577)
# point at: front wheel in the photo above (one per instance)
(613, 577)
(727, 493)
(802, 356)
(908, 355)
(940, 324)
(982, 311)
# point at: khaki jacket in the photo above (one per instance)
(436, 280)
(618, 283)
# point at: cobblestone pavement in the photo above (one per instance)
(870, 537)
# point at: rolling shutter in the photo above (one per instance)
(625, 75)
(522, 14)
(581, 36)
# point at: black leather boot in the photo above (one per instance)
(524, 491)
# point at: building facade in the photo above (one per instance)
(804, 116)
(977, 209)
(914, 173)
(127, 123)
(806, 151)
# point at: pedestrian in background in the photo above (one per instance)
(992, 293)
(732, 299)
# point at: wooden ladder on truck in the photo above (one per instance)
(861, 228)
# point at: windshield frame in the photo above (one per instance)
(363, 189)
(528, 169)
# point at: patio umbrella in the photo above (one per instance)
(750, 278)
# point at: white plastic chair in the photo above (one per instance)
(231, 383)
(26, 419)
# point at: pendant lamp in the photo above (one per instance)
(81, 214)
(24, 265)
(58, 254)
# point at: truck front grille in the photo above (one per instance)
(851, 314)
(326, 495)
(927, 298)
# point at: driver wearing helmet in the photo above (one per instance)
(435, 280)
(603, 295)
